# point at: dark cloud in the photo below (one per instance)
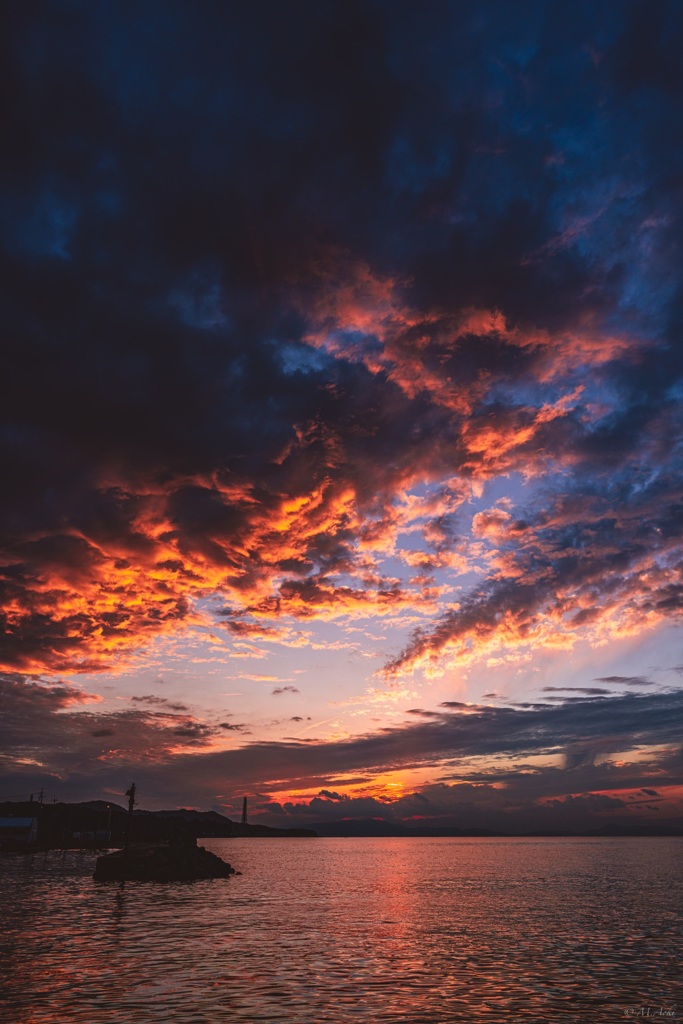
(193, 731)
(161, 702)
(311, 255)
(284, 689)
(39, 732)
(626, 680)
(590, 691)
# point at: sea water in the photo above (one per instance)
(341, 930)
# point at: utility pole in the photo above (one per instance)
(130, 793)
(244, 811)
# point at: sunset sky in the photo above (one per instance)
(342, 408)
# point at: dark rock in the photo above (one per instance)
(161, 862)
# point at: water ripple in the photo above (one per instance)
(340, 931)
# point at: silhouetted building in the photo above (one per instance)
(18, 830)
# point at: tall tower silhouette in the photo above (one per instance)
(244, 811)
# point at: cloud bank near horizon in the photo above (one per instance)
(525, 764)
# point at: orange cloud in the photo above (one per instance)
(306, 535)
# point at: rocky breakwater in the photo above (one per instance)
(182, 861)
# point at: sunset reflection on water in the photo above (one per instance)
(338, 930)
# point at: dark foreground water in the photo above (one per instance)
(433, 930)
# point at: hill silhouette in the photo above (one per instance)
(103, 822)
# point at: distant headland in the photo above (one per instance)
(102, 823)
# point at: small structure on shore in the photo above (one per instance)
(18, 832)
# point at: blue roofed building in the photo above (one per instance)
(18, 831)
